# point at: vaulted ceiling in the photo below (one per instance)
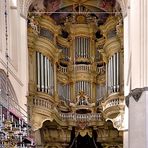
(60, 9)
(56, 5)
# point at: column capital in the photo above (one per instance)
(136, 94)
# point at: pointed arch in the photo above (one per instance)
(25, 4)
(9, 100)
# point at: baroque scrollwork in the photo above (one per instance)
(73, 59)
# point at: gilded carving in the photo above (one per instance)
(79, 51)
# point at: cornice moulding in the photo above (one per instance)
(136, 94)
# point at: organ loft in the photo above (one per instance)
(76, 78)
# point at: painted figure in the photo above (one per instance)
(52, 5)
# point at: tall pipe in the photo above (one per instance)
(42, 72)
(111, 68)
(52, 79)
(38, 72)
(48, 76)
(79, 46)
(109, 89)
(106, 66)
(84, 47)
(117, 71)
(88, 39)
(45, 67)
(114, 62)
(55, 78)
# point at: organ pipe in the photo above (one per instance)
(114, 73)
(82, 45)
(83, 86)
(64, 91)
(54, 79)
(106, 66)
(117, 72)
(38, 71)
(79, 46)
(48, 76)
(112, 78)
(109, 75)
(51, 80)
(45, 64)
(88, 48)
(42, 72)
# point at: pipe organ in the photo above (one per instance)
(82, 59)
(113, 70)
(78, 75)
(84, 86)
(79, 55)
(100, 92)
(65, 51)
(44, 74)
(82, 47)
(64, 92)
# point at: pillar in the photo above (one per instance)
(138, 118)
(138, 75)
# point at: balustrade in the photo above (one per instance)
(77, 68)
(42, 103)
(113, 102)
(80, 117)
(82, 67)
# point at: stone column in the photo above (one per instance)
(138, 118)
(138, 74)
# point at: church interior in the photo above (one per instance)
(71, 74)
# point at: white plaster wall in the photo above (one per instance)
(135, 43)
(138, 112)
(127, 73)
(137, 124)
(18, 52)
(138, 43)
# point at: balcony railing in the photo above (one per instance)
(42, 103)
(113, 101)
(82, 67)
(73, 117)
(81, 117)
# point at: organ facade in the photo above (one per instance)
(76, 78)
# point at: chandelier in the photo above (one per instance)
(14, 130)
